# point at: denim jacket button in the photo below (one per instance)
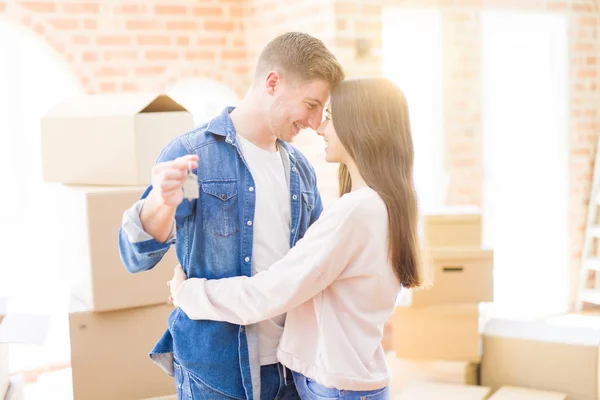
(251, 189)
(294, 169)
(247, 259)
(295, 197)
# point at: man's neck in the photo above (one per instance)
(250, 124)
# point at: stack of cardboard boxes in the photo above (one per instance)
(437, 332)
(102, 149)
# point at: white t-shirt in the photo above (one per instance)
(271, 224)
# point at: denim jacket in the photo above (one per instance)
(213, 239)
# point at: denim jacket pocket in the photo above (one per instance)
(219, 207)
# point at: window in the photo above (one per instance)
(412, 59)
(32, 80)
(526, 160)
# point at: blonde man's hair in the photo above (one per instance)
(302, 57)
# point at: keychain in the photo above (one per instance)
(191, 189)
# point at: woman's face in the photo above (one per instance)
(334, 150)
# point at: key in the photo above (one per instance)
(191, 189)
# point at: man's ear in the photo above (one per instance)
(272, 81)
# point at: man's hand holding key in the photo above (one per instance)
(169, 178)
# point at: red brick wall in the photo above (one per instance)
(461, 34)
(584, 48)
(133, 45)
(148, 45)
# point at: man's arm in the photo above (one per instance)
(157, 219)
(148, 230)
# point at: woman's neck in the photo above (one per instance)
(357, 180)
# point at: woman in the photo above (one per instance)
(339, 283)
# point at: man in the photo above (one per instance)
(257, 197)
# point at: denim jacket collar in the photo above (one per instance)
(222, 125)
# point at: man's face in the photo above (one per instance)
(297, 105)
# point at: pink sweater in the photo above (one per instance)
(337, 287)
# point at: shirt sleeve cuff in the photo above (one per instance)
(132, 225)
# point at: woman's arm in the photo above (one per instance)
(309, 267)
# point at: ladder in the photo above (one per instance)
(590, 261)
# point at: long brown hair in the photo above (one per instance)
(371, 119)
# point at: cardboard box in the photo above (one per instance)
(90, 217)
(453, 227)
(112, 139)
(557, 354)
(16, 389)
(449, 332)
(58, 385)
(407, 372)
(460, 275)
(445, 391)
(109, 353)
(517, 393)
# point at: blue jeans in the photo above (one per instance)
(273, 385)
(311, 390)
